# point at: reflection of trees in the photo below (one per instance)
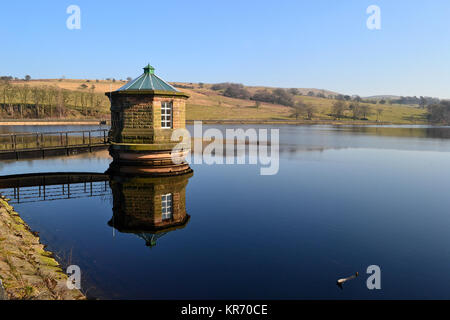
(405, 131)
(442, 133)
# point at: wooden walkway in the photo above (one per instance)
(32, 145)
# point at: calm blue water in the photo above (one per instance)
(344, 198)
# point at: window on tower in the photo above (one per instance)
(166, 206)
(166, 114)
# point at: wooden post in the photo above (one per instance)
(89, 138)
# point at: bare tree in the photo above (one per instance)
(92, 97)
(4, 93)
(338, 109)
(355, 107)
(84, 98)
(10, 94)
(379, 113)
(422, 102)
(50, 95)
(65, 99)
(299, 109)
(38, 97)
(366, 111)
(98, 102)
(310, 111)
(24, 93)
(76, 96)
(62, 99)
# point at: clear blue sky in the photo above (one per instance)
(320, 44)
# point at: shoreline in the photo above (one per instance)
(27, 270)
(37, 122)
(295, 122)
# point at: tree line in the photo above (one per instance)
(354, 110)
(420, 101)
(24, 101)
(439, 113)
(236, 90)
(339, 110)
(284, 96)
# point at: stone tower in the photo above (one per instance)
(144, 114)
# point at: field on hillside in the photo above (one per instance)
(207, 104)
(101, 86)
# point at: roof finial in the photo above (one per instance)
(149, 69)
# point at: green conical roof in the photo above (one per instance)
(148, 81)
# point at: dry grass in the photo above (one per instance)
(207, 104)
(101, 86)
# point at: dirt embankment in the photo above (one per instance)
(27, 270)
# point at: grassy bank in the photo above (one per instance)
(27, 270)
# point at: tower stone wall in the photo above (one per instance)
(137, 137)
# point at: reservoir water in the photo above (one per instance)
(344, 198)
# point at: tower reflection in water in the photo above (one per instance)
(146, 204)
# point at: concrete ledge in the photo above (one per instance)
(49, 152)
(145, 147)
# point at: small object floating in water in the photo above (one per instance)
(340, 282)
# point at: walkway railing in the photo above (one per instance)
(52, 140)
(53, 186)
